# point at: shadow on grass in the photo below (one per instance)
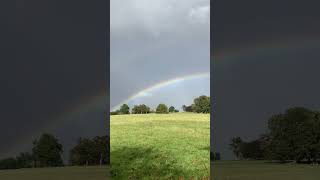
(206, 148)
(144, 163)
(279, 162)
(293, 162)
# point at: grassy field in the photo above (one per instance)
(160, 146)
(63, 173)
(260, 170)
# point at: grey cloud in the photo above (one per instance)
(152, 41)
(156, 16)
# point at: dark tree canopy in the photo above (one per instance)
(162, 109)
(292, 136)
(91, 151)
(47, 151)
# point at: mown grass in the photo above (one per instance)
(261, 170)
(160, 146)
(61, 173)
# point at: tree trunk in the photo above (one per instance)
(100, 159)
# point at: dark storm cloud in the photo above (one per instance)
(248, 22)
(53, 56)
(249, 86)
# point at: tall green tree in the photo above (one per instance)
(124, 109)
(47, 151)
(162, 109)
(171, 109)
(202, 104)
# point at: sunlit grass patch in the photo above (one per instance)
(160, 146)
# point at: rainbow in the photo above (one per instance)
(101, 99)
(161, 85)
(267, 47)
(217, 57)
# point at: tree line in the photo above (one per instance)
(200, 104)
(292, 136)
(144, 109)
(47, 152)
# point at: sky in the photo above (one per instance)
(54, 69)
(53, 72)
(54, 63)
(265, 59)
(157, 41)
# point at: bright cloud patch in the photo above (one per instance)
(200, 14)
(144, 94)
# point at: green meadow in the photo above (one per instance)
(160, 146)
(261, 170)
(61, 173)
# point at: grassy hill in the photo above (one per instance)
(160, 146)
(261, 170)
(61, 173)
